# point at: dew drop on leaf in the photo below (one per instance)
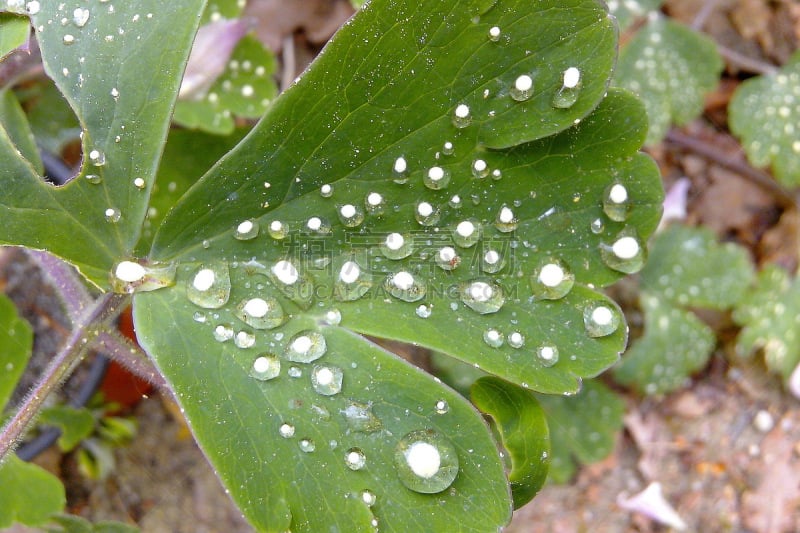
(597, 226)
(492, 261)
(97, 158)
(305, 347)
(246, 230)
(404, 286)
(210, 286)
(547, 355)
(244, 339)
(396, 246)
(351, 283)
(265, 367)
(307, 445)
(375, 203)
(327, 380)
(94, 179)
(600, 320)
(446, 258)
(462, 116)
(494, 34)
(467, 233)
(506, 221)
(350, 215)
(480, 169)
(426, 461)
(482, 296)
(441, 407)
(223, 333)
(448, 148)
(568, 94)
(625, 254)
(318, 225)
(552, 280)
(423, 311)
(368, 497)
(112, 214)
(616, 203)
(80, 17)
(355, 459)
(286, 431)
(516, 339)
(360, 418)
(436, 178)
(326, 191)
(260, 313)
(426, 214)
(277, 230)
(400, 170)
(493, 338)
(522, 89)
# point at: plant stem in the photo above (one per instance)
(748, 64)
(130, 356)
(103, 311)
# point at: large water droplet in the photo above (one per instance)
(327, 380)
(375, 203)
(462, 116)
(625, 254)
(352, 283)
(467, 233)
(426, 214)
(600, 320)
(547, 355)
(305, 347)
(112, 214)
(441, 407)
(296, 285)
(350, 215)
(355, 459)
(286, 431)
(480, 169)
(97, 158)
(404, 286)
(493, 338)
(446, 258)
(597, 226)
(360, 418)
(368, 497)
(265, 367)
(616, 203)
(506, 221)
(277, 230)
(424, 311)
(516, 339)
(129, 276)
(244, 339)
(570, 89)
(246, 230)
(552, 280)
(492, 261)
(396, 246)
(426, 461)
(261, 313)
(436, 178)
(522, 89)
(210, 286)
(307, 445)
(494, 34)
(482, 297)
(326, 191)
(318, 225)
(400, 170)
(80, 16)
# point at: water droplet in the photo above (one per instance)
(32, 7)
(547, 355)
(139, 183)
(436, 178)
(352, 283)
(492, 262)
(375, 203)
(506, 221)
(307, 445)
(260, 313)
(305, 347)
(294, 372)
(400, 170)
(448, 148)
(97, 158)
(497, 174)
(480, 169)
(600, 320)
(80, 17)
(266, 367)
(94, 179)
(333, 317)
(244, 339)
(360, 418)
(327, 380)
(482, 296)
(68, 39)
(296, 285)
(404, 286)
(467, 233)
(568, 94)
(368, 497)
(318, 225)
(424, 311)
(552, 280)
(426, 461)
(112, 214)
(246, 230)
(326, 191)
(286, 431)
(597, 226)
(626, 254)
(396, 246)
(350, 215)
(455, 201)
(210, 286)
(516, 339)
(441, 407)
(223, 333)
(426, 214)
(522, 88)
(493, 338)
(462, 117)
(355, 459)
(447, 258)
(277, 230)
(494, 34)
(616, 203)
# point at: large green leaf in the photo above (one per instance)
(30, 494)
(627, 11)
(113, 66)
(671, 67)
(16, 342)
(14, 31)
(12, 118)
(343, 160)
(764, 114)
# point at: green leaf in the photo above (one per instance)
(583, 428)
(770, 315)
(524, 433)
(675, 345)
(14, 31)
(16, 342)
(239, 420)
(77, 524)
(52, 121)
(244, 90)
(627, 11)
(671, 67)
(687, 267)
(30, 494)
(116, 71)
(764, 113)
(13, 119)
(75, 424)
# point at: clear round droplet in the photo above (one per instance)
(80, 16)
(286, 431)
(97, 158)
(448, 148)
(424, 311)
(436, 178)
(426, 461)
(210, 285)
(493, 338)
(480, 169)
(293, 283)
(318, 225)
(277, 230)
(326, 191)
(447, 258)
(333, 317)
(467, 233)
(506, 221)
(426, 214)
(552, 280)
(494, 34)
(295, 372)
(600, 320)
(522, 88)
(94, 179)
(616, 203)
(261, 313)
(355, 459)
(441, 407)
(368, 497)
(375, 203)
(396, 246)
(246, 230)
(244, 339)
(400, 170)
(350, 215)
(351, 282)
(497, 174)
(265, 367)
(516, 339)
(547, 355)
(305, 347)
(570, 89)
(462, 116)
(492, 261)
(597, 226)
(327, 380)
(307, 445)
(405, 286)
(223, 332)
(455, 201)
(625, 253)
(483, 297)
(112, 214)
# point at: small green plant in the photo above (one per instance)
(439, 168)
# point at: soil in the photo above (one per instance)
(725, 450)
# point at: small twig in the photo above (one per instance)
(130, 356)
(104, 310)
(736, 164)
(702, 16)
(748, 64)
